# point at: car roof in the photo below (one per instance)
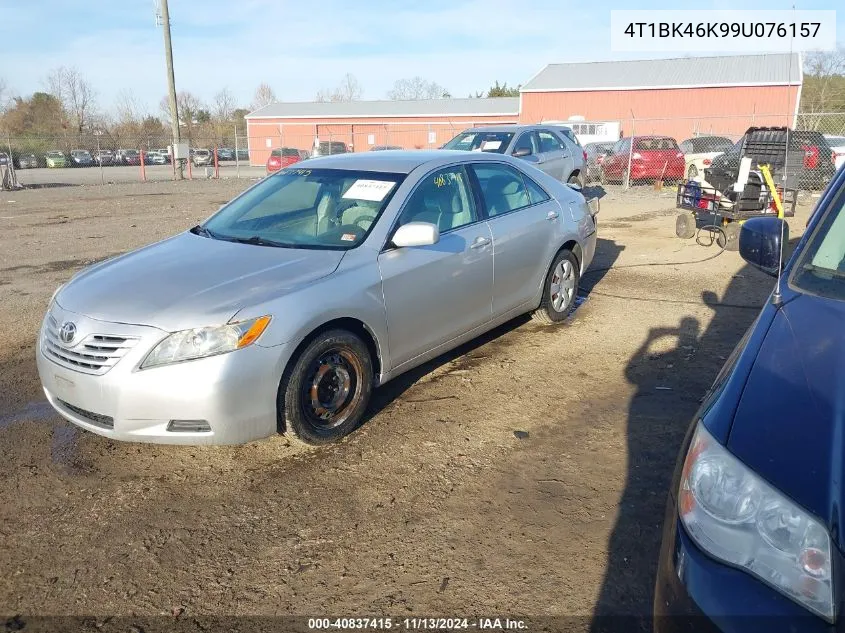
(401, 161)
(513, 127)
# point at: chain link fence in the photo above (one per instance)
(654, 153)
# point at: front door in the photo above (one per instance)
(436, 293)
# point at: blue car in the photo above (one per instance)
(754, 531)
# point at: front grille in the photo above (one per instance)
(103, 421)
(96, 354)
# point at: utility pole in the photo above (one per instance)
(171, 85)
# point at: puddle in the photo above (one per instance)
(34, 411)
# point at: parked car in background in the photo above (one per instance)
(276, 308)
(4, 158)
(81, 158)
(752, 535)
(202, 157)
(225, 153)
(281, 158)
(810, 156)
(545, 147)
(154, 157)
(700, 151)
(26, 161)
(380, 148)
(55, 158)
(596, 153)
(104, 157)
(837, 146)
(243, 154)
(650, 158)
(127, 157)
(163, 151)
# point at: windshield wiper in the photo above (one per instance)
(257, 240)
(201, 230)
(821, 270)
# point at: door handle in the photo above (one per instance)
(552, 215)
(480, 242)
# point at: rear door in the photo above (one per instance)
(556, 155)
(523, 221)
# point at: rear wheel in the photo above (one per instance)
(324, 395)
(560, 289)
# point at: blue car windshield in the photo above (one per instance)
(821, 269)
(332, 209)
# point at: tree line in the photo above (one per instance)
(68, 108)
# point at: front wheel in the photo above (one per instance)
(324, 395)
(560, 289)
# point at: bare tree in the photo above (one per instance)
(129, 109)
(349, 89)
(824, 86)
(416, 88)
(189, 107)
(4, 98)
(264, 95)
(224, 105)
(75, 93)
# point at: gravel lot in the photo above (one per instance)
(434, 507)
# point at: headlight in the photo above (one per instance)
(735, 516)
(206, 341)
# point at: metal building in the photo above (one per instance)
(677, 97)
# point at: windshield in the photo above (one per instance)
(821, 269)
(307, 208)
(655, 144)
(481, 142)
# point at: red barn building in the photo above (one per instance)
(677, 97)
(362, 125)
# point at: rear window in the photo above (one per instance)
(705, 144)
(290, 152)
(655, 144)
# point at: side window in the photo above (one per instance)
(535, 192)
(442, 198)
(502, 188)
(549, 142)
(528, 140)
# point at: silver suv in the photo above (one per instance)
(551, 148)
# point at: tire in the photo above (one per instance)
(728, 237)
(692, 172)
(323, 394)
(559, 298)
(685, 225)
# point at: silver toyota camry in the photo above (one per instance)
(287, 307)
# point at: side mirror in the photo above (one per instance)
(760, 243)
(416, 234)
(522, 152)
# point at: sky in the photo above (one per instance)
(301, 47)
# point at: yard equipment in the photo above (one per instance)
(758, 177)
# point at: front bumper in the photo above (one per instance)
(696, 594)
(235, 393)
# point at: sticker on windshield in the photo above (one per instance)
(348, 237)
(490, 146)
(372, 190)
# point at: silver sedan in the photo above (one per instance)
(283, 310)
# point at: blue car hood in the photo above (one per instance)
(789, 426)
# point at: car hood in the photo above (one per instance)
(191, 281)
(789, 426)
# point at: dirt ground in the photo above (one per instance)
(433, 507)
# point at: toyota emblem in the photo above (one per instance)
(67, 332)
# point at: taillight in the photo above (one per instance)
(706, 162)
(585, 156)
(811, 156)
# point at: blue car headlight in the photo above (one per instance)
(736, 517)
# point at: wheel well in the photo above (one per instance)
(575, 248)
(347, 323)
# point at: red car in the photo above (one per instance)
(281, 158)
(652, 158)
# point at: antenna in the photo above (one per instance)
(777, 296)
